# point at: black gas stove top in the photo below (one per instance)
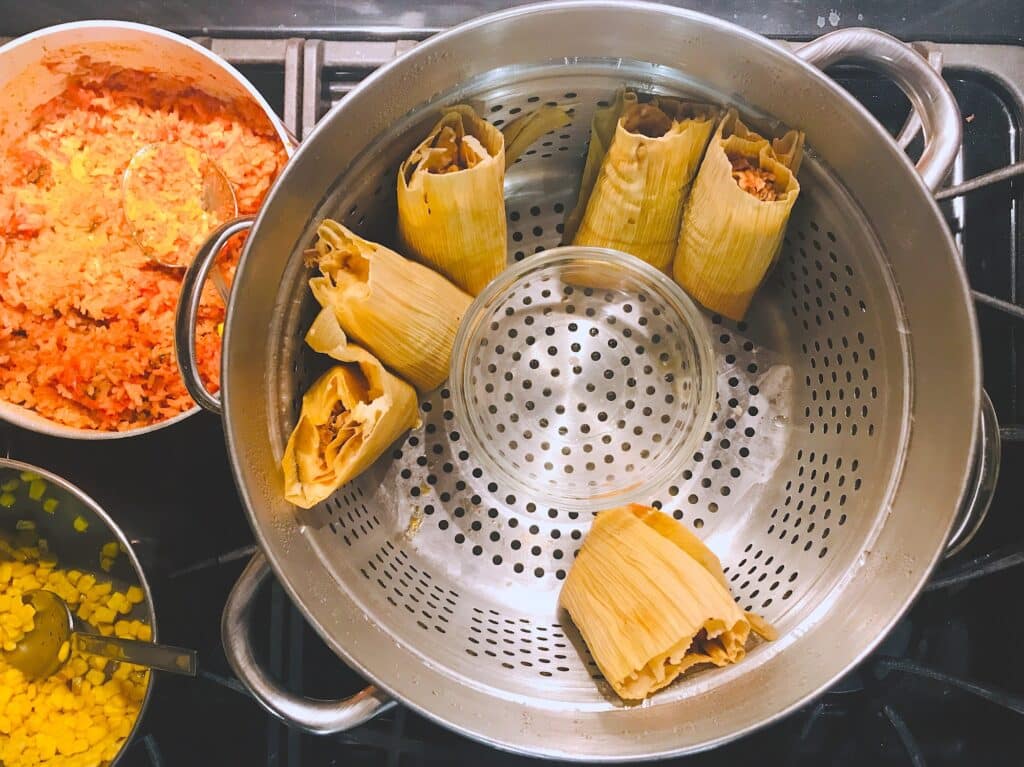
(945, 688)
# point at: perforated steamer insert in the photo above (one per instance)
(776, 486)
(438, 579)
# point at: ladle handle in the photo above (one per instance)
(175, 660)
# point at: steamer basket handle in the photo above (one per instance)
(188, 310)
(320, 717)
(928, 93)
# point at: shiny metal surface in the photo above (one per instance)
(26, 81)
(159, 657)
(38, 653)
(188, 309)
(930, 97)
(317, 716)
(74, 550)
(582, 378)
(827, 482)
(982, 484)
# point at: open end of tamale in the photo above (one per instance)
(341, 256)
(655, 118)
(349, 417)
(452, 152)
(456, 145)
(646, 120)
(753, 179)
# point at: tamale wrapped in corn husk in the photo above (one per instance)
(636, 204)
(651, 600)
(348, 419)
(401, 311)
(736, 217)
(451, 200)
(602, 131)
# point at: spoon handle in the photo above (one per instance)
(176, 660)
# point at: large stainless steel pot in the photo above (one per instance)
(29, 77)
(830, 478)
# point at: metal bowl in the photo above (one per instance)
(26, 81)
(54, 513)
(583, 378)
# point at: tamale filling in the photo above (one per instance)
(453, 152)
(646, 120)
(753, 180)
(328, 431)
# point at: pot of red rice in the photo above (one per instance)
(86, 317)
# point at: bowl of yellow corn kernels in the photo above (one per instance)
(53, 536)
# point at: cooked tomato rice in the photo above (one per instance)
(86, 320)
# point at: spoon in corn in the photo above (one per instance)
(173, 196)
(45, 649)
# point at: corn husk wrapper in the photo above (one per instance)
(636, 205)
(402, 312)
(451, 200)
(651, 601)
(602, 131)
(348, 419)
(729, 238)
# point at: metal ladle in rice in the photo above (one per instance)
(173, 196)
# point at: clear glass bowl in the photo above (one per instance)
(583, 378)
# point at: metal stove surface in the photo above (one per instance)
(942, 690)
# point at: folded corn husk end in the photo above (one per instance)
(729, 239)
(451, 203)
(404, 313)
(650, 601)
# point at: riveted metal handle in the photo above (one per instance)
(928, 93)
(984, 476)
(317, 716)
(188, 309)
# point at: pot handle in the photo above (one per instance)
(984, 477)
(321, 717)
(188, 309)
(928, 93)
